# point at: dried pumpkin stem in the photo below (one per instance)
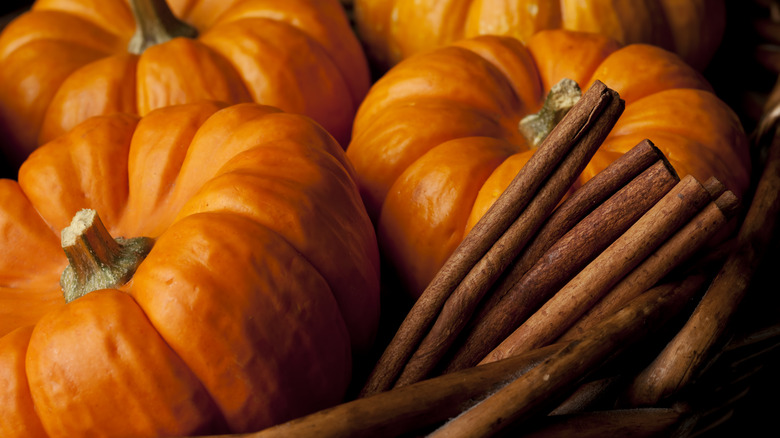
(155, 24)
(560, 99)
(97, 260)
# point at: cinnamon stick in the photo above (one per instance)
(694, 344)
(714, 187)
(459, 307)
(595, 191)
(651, 230)
(536, 392)
(679, 248)
(567, 256)
(588, 394)
(581, 119)
(634, 423)
(413, 407)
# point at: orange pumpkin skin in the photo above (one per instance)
(393, 30)
(436, 140)
(238, 318)
(66, 60)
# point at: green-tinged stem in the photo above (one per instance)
(155, 24)
(97, 260)
(560, 99)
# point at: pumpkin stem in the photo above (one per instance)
(560, 99)
(97, 261)
(155, 24)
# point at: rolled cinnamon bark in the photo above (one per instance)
(402, 410)
(568, 304)
(561, 262)
(463, 301)
(536, 392)
(678, 249)
(686, 355)
(583, 121)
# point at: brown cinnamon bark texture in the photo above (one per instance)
(634, 423)
(679, 248)
(536, 392)
(583, 201)
(561, 262)
(595, 191)
(577, 126)
(694, 344)
(463, 301)
(610, 266)
(413, 407)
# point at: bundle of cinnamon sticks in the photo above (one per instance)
(547, 290)
(528, 272)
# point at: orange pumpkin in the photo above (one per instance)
(436, 140)
(394, 29)
(238, 318)
(66, 60)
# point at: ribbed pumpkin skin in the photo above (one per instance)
(395, 29)
(436, 140)
(66, 60)
(239, 317)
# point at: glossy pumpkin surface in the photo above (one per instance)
(395, 29)
(239, 317)
(436, 140)
(66, 60)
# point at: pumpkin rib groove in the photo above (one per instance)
(313, 42)
(442, 21)
(462, 167)
(105, 80)
(57, 204)
(45, 301)
(720, 133)
(144, 216)
(515, 63)
(116, 310)
(117, 13)
(86, 35)
(200, 14)
(210, 76)
(13, 349)
(255, 54)
(21, 114)
(572, 55)
(404, 132)
(494, 98)
(318, 25)
(286, 200)
(168, 320)
(667, 72)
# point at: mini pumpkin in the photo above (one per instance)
(238, 317)
(437, 138)
(66, 60)
(395, 29)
